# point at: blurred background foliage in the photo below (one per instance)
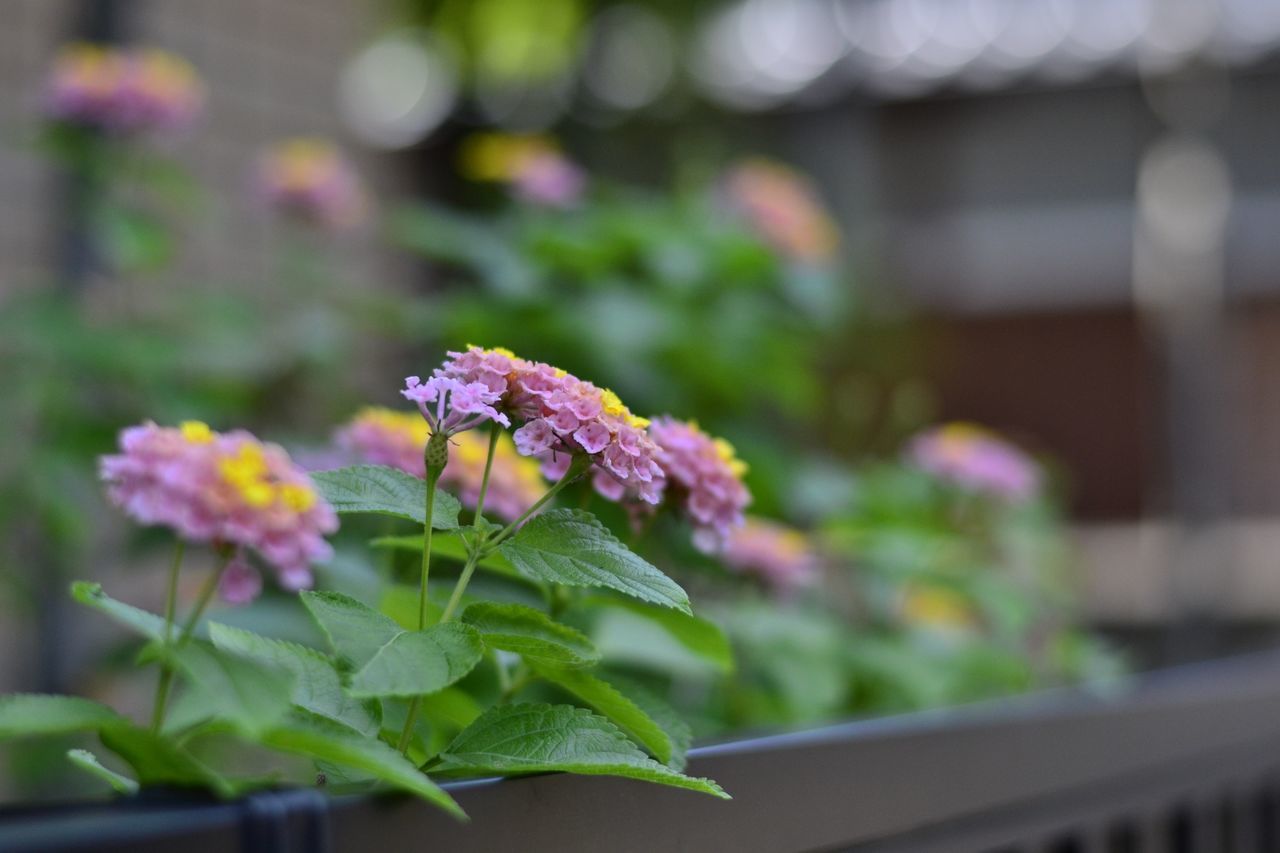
(684, 299)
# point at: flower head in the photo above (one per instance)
(398, 439)
(935, 607)
(465, 391)
(533, 165)
(782, 207)
(781, 556)
(226, 488)
(975, 459)
(125, 91)
(311, 180)
(704, 480)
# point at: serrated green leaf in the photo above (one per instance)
(660, 711)
(88, 762)
(415, 663)
(449, 546)
(381, 490)
(571, 547)
(535, 738)
(30, 714)
(251, 696)
(317, 686)
(609, 701)
(320, 739)
(530, 634)
(700, 636)
(356, 632)
(158, 761)
(147, 624)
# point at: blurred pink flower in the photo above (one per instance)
(782, 207)
(122, 90)
(781, 556)
(531, 164)
(550, 180)
(704, 480)
(975, 459)
(225, 488)
(310, 179)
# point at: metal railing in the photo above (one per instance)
(1184, 760)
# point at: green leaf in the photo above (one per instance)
(697, 635)
(356, 632)
(249, 695)
(451, 547)
(317, 686)
(147, 624)
(660, 711)
(88, 762)
(536, 738)
(317, 738)
(415, 663)
(530, 634)
(28, 714)
(606, 699)
(159, 761)
(570, 547)
(385, 491)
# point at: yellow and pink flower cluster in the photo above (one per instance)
(122, 90)
(229, 489)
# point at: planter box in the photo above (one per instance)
(1187, 759)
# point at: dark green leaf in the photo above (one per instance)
(158, 761)
(27, 714)
(530, 633)
(88, 762)
(415, 663)
(606, 699)
(317, 738)
(317, 687)
(385, 491)
(661, 712)
(147, 624)
(536, 738)
(356, 632)
(571, 547)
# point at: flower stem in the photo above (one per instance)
(473, 558)
(188, 628)
(415, 704)
(577, 468)
(170, 604)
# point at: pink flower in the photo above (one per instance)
(398, 439)
(563, 416)
(779, 555)
(225, 488)
(549, 179)
(531, 164)
(125, 91)
(705, 479)
(782, 207)
(311, 180)
(973, 458)
(241, 583)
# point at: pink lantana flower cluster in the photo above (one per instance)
(398, 439)
(310, 179)
(781, 556)
(704, 480)
(532, 165)
(124, 91)
(782, 207)
(975, 459)
(563, 416)
(227, 489)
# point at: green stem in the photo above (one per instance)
(473, 557)
(170, 604)
(415, 704)
(188, 628)
(576, 470)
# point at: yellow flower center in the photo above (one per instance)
(196, 432)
